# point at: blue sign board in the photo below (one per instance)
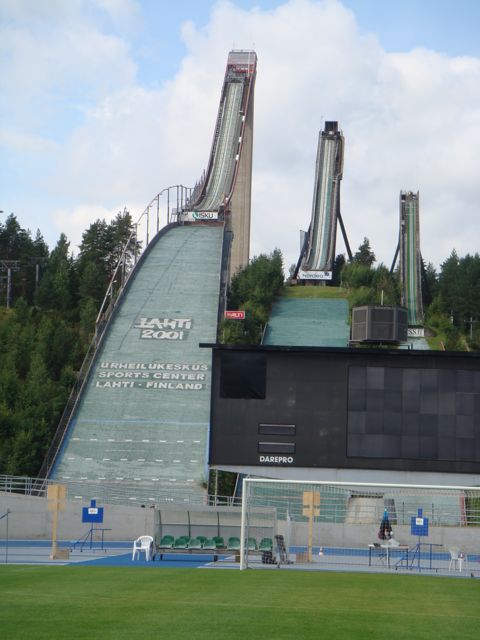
(92, 514)
(419, 524)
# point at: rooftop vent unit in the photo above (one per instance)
(379, 324)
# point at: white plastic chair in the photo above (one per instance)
(145, 544)
(456, 559)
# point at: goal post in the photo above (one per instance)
(257, 532)
(314, 519)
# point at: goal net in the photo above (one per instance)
(321, 522)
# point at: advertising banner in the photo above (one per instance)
(234, 315)
(198, 216)
(314, 275)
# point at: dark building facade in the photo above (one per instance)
(345, 409)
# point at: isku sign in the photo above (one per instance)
(235, 315)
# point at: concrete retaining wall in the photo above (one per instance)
(361, 535)
(30, 519)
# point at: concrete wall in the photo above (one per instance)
(30, 519)
(361, 535)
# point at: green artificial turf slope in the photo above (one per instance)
(116, 603)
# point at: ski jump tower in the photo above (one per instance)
(318, 244)
(224, 192)
(410, 270)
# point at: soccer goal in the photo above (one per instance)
(286, 521)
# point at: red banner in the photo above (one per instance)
(235, 315)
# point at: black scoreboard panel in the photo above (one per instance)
(419, 413)
(346, 408)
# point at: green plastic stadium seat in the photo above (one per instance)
(195, 543)
(266, 544)
(166, 542)
(233, 544)
(202, 539)
(210, 544)
(251, 544)
(181, 543)
(219, 541)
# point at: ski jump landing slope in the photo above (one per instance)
(143, 418)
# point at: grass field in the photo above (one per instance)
(315, 292)
(117, 603)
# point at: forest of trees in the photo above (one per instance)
(47, 317)
(451, 297)
(253, 290)
(454, 299)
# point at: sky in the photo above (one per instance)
(104, 103)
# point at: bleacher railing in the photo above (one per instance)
(115, 493)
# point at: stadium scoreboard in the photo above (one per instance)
(345, 408)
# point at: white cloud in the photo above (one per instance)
(24, 143)
(78, 218)
(123, 13)
(64, 13)
(33, 12)
(411, 121)
(53, 58)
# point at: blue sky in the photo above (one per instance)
(103, 103)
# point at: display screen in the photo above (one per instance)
(243, 375)
(425, 414)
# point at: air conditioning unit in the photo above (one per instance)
(379, 324)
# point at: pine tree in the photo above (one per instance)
(364, 254)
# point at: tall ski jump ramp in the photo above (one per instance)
(141, 423)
